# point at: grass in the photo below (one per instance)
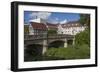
(72, 52)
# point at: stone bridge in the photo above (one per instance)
(45, 40)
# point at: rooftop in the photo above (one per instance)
(38, 26)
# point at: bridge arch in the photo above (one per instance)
(45, 42)
(59, 43)
(56, 44)
(70, 42)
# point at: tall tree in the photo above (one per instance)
(26, 29)
(85, 19)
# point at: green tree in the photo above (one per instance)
(52, 31)
(85, 19)
(26, 29)
(83, 38)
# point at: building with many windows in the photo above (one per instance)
(40, 27)
(70, 28)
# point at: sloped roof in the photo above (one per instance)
(52, 26)
(40, 26)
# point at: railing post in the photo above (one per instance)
(74, 41)
(65, 43)
(44, 46)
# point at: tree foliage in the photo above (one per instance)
(85, 19)
(83, 38)
(83, 52)
(26, 29)
(52, 31)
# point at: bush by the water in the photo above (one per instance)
(83, 38)
(72, 52)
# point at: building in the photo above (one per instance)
(70, 28)
(37, 29)
(39, 26)
(52, 26)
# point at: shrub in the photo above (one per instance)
(83, 38)
(52, 31)
(72, 52)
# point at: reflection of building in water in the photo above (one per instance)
(40, 26)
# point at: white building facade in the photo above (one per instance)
(70, 28)
(37, 27)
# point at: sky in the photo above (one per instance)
(51, 17)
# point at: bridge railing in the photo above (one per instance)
(31, 37)
(58, 36)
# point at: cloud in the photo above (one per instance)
(43, 15)
(64, 21)
(57, 21)
(34, 14)
(46, 15)
(53, 21)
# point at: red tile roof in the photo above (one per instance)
(40, 26)
(52, 26)
(46, 26)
